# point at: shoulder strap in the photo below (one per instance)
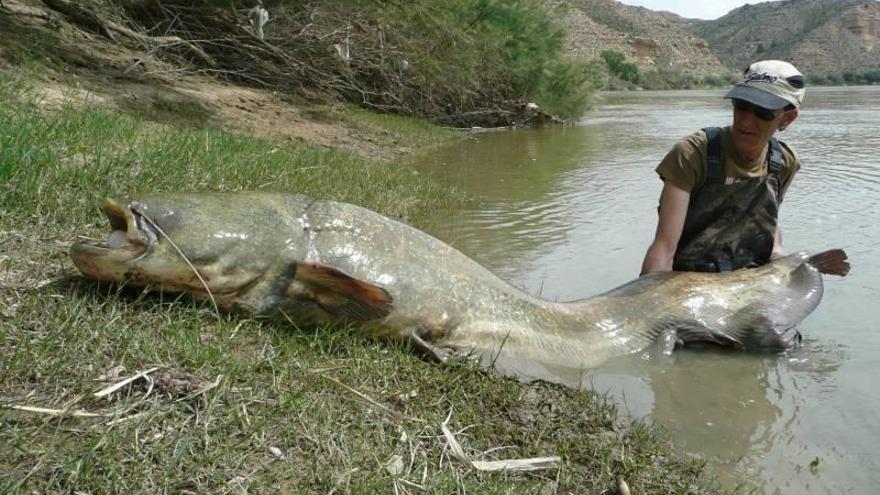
(714, 160)
(774, 157)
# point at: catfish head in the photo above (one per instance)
(241, 250)
(195, 243)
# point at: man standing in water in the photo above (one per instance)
(722, 187)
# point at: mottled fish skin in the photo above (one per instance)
(311, 261)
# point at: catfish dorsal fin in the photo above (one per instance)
(831, 262)
(339, 294)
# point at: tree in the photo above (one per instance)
(618, 66)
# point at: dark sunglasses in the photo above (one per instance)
(762, 113)
(796, 81)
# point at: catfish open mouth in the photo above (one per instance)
(130, 234)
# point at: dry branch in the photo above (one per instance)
(314, 48)
(529, 464)
(118, 385)
(366, 398)
(56, 412)
(81, 16)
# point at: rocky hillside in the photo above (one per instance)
(818, 36)
(827, 38)
(655, 41)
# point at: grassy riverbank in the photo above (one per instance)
(239, 405)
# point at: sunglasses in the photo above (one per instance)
(762, 113)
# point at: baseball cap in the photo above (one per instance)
(772, 84)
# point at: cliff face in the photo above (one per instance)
(817, 36)
(654, 41)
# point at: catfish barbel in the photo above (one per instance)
(311, 261)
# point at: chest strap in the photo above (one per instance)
(715, 160)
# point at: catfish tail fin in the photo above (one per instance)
(831, 262)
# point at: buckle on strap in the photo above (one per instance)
(723, 265)
(703, 266)
(774, 157)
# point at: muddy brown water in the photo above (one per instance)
(569, 212)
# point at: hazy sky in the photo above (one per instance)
(701, 9)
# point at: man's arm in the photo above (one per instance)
(670, 222)
(777, 243)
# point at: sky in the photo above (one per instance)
(700, 9)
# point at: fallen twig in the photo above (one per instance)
(397, 415)
(529, 464)
(56, 412)
(113, 388)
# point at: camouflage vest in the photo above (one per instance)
(730, 225)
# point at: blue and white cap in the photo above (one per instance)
(771, 84)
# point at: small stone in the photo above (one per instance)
(394, 466)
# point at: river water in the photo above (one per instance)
(568, 213)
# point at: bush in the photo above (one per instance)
(618, 66)
(460, 62)
(670, 79)
(849, 77)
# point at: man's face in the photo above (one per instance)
(753, 126)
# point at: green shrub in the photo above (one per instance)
(508, 50)
(618, 66)
(849, 77)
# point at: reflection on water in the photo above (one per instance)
(568, 213)
(729, 408)
(520, 210)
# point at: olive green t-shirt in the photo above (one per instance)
(685, 165)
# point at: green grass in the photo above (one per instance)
(283, 416)
(62, 165)
(400, 130)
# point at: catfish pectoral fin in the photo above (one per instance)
(767, 327)
(666, 342)
(337, 293)
(831, 262)
(692, 332)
